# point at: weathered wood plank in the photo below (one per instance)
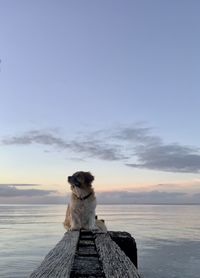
(90, 254)
(115, 263)
(86, 261)
(59, 260)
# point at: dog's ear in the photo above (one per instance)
(88, 177)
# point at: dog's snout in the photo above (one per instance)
(69, 178)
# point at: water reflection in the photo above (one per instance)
(167, 237)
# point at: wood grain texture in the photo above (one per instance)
(115, 263)
(59, 260)
(90, 254)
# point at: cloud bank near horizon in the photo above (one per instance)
(11, 194)
(19, 184)
(135, 147)
(8, 190)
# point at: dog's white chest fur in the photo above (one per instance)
(82, 214)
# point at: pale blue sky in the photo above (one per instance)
(71, 68)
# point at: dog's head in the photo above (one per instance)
(82, 180)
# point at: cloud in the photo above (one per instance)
(19, 184)
(170, 158)
(91, 148)
(196, 198)
(134, 146)
(142, 197)
(36, 137)
(11, 191)
(96, 149)
(11, 194)
(150, 152)
(137, 134)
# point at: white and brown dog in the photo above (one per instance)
(81, 209)
(80, 212)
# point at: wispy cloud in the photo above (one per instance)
(135, 146)
(150, 152)
(136, 134)
(167, 157)
(91, 148)
(36, 137)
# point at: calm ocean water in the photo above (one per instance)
(167, 236)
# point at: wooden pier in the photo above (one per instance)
(89, 254)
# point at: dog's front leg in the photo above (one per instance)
(75, 220)
(89, 221)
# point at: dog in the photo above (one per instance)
(80, 212)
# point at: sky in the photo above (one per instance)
(108, 86)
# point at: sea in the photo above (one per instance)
(167, 237)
